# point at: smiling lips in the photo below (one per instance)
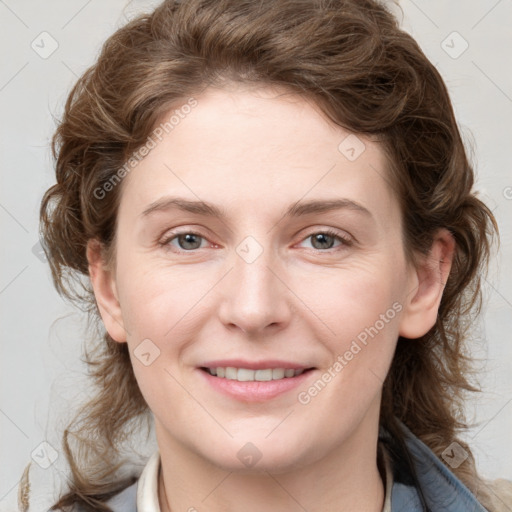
(248, 375)
(254, 382)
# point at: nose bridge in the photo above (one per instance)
(255, 293)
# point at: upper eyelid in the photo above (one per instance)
(330, 231)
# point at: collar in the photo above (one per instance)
(442, 490)
(147, 487)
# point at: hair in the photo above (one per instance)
(351, 59)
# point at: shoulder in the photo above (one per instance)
(40, 490)
(440, 487)
(500, 491)
(143, 494)
(125, 501)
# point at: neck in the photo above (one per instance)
(346, 479)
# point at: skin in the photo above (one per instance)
(254, 152)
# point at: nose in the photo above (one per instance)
(254, 294)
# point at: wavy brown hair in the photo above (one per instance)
(367, 75)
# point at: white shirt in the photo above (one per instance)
(147, 488)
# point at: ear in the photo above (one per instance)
(427, 280)
(105, 291)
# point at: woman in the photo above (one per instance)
(273, 207)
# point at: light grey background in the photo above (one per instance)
(40, 372)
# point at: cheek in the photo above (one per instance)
(362, 309)
(155, 297)
(364, 316)
(366, 331)
(351, 299)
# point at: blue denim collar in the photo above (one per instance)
(441, 489)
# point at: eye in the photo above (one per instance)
(187, 241)
(323, 240)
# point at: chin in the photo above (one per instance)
(261, 455)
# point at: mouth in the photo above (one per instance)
(250, 375)
(254, 384)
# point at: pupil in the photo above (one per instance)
(321, 237)
(189, 239)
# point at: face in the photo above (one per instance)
(296, 264)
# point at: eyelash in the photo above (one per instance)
(345, 241)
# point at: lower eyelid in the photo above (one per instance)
(344, 241)
(166, 242)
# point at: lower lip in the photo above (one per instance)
(254, 391)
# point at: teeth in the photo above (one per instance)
(278, 373)
(262, 374)
(231, 373)
(246, 375)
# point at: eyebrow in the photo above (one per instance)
(300, 208)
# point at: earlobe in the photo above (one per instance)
(427, 283)
(105, 292)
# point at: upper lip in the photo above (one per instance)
(255, 365)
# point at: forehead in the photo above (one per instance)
(240, 145)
